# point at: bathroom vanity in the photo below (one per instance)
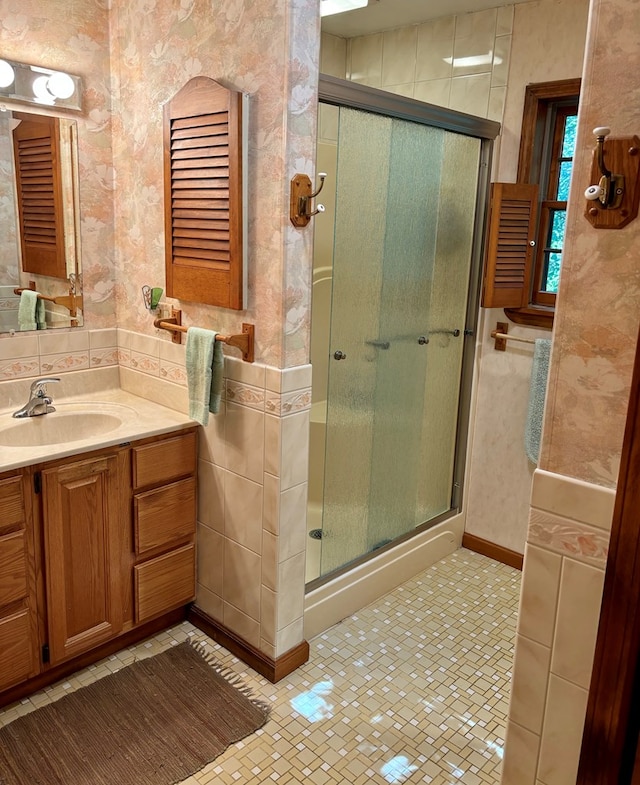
(97, 546)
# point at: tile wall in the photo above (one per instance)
(252, 477)
(53, 352)
(461, 62)
(253, 461)
(565, 559)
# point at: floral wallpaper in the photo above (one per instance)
(74, 37)
(268, 50)
(134, 56)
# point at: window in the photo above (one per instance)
(544, 173)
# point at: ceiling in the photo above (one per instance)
(387, 14)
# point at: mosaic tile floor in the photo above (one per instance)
(414, 688)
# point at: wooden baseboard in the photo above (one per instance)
(271, 669)
(493, 551)
(57, 672)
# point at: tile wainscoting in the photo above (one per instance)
(564, 564)
(253, 463)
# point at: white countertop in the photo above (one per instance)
(140, 418)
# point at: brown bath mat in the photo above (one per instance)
(155, 722)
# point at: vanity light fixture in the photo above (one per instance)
(42, 86)
(328, 7)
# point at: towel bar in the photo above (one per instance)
(501, 336)
(245, 341)
(70, 301)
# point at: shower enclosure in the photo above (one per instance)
(395, 296)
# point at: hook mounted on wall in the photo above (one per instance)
(302, 193)
(613, 200)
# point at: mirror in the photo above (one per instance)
(39, 219)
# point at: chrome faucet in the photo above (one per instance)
(39, 402)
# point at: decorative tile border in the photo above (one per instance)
(245, 394)
(568, 538)
(173, 373)
(145, 363)
(288, 403)
(102, 357)
(19, 369)
(60, 363)
(124, 357)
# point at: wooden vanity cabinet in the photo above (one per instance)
(19, 655)
(164, 525)
(82, 507)
(93, 548)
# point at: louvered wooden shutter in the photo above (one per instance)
(509, 259)
(203, 194)
(39, 195)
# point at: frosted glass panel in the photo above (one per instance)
(411, 222)
(447, 311)
(405, 198)
(359, 243)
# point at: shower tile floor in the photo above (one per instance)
(413, 688)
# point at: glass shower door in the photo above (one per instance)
(404, 220)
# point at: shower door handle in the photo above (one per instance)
(339, 355)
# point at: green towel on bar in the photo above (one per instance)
(31, 313)
(205, 368)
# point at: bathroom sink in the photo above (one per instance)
(69, 423)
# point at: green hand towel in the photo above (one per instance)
(27, 310)
(205, 370)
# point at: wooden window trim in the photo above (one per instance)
(540, 312)
(533, 118)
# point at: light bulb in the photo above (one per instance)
(7, 74)
(41, 91)
(61, 85)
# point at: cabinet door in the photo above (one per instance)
(18, 614)
(83, 555)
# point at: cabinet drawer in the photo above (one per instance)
(165, 515)
(165, 583)
(164, 461)
(16, 649)
(11, 503)
(13, 568)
